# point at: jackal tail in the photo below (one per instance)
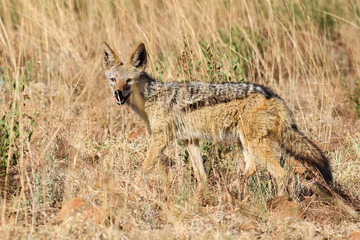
(306, 151)
(303, 149)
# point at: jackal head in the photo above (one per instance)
(121, 76)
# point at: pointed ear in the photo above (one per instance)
(109, 57)
(139, 58)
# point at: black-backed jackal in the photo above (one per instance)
(247, 114)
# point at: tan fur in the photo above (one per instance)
(250, 115)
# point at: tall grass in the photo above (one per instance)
(62, 136)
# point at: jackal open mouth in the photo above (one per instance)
(120, 98)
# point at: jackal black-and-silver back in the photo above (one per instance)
(191, 95)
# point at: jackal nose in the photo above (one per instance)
(119, 97)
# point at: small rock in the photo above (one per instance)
(320, 237)
(135, 133)
(354, 236)
(96, 214)
(248, 226)
(70, 208)
(77, 207)
(127, 227)
(283, 208)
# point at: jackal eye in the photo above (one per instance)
(128, 80)
(113, 79)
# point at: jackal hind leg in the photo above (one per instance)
(250, 165)
(196, 160)
(198, 166)
(250, 168)
(261, 150)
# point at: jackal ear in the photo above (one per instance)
(139, 58)
(109, 57)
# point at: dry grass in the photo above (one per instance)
(53, 88)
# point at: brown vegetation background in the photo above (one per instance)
(62, 135)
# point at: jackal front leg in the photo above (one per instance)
(156, 149)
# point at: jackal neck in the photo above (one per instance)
(137, 98)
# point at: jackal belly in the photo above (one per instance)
(253, 116)
(216, 123)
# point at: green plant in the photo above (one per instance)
(215, 157)
(262, 187)
(321, 14)
(185, 65)
(12, 142)
(353, 93)
(355, 97)
(246, 44)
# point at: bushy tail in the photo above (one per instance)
(304, 150)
